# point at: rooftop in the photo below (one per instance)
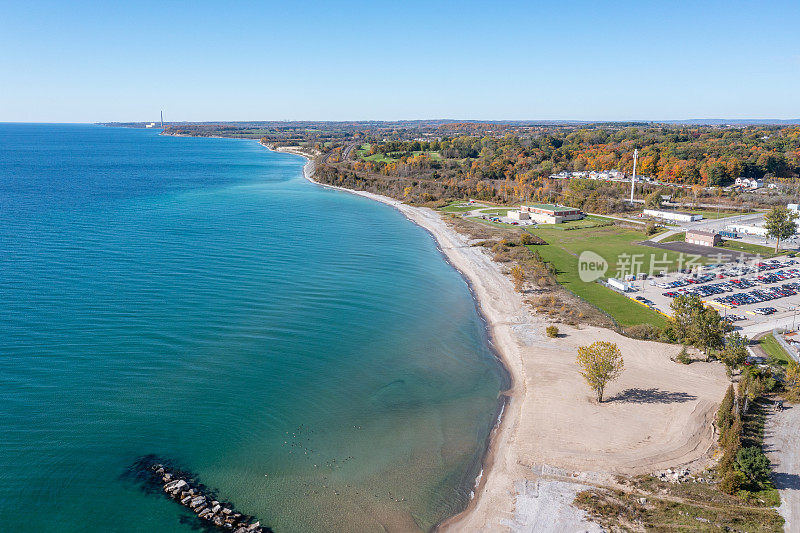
(701, 233)
(552, 207)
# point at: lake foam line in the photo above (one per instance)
(447, 240)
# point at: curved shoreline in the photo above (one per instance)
(448, 242)
(553, 440)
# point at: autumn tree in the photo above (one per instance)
(518, 277)
(780, 224)
(600, 363)
(793, 381)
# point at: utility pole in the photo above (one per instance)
(633, 178)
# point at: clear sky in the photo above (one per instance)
(83, 61)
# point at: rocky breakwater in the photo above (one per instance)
(182, 488)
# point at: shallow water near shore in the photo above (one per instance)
(306, 352)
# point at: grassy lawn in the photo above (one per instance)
(613, 244)
(435, 156)
(390, 157)
(764, 251)
(678, 237)
(379, 157)
(774, 350)
(458, 207)
(713, 214)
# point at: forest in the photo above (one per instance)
(437, 160)
(515, 163)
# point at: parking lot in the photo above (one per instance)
(752, 296)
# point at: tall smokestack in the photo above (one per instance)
(633, 178)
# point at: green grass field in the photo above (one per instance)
(618, 246)
(390, 157)
(678, 237)
(713, 214)
(774, 350)
(457, 207)
(764, 251)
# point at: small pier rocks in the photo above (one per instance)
(182, 488)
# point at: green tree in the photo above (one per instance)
(684, 309)
(780, 224)
(734, 353)
(725, 412)
(600, 362)
(653, 199)
(752, 462)
(695, 324)
(793, 381)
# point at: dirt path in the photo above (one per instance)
(782, 444)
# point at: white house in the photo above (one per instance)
(749, 183)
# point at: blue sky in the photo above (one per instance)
(94, 61)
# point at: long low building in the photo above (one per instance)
(673, 216)
(758, 231)
(550, 213)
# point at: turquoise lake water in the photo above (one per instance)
(306, 352)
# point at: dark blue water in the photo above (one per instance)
(306, 352)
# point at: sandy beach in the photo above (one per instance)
(554, 439)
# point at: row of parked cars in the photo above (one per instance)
(766, 273)
(760, 295)
(729, 270)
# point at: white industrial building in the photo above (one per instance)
(745, 229)
(618, 284)
(518, 215)
(672, 216)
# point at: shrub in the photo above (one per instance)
(731, 482)
(752, 462)
(683, 356)
(552, 331)
(651, 228)
(518, 277)
(528, 239)
(645, 332)
(725, 412)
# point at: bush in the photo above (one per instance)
(683, 356)
(647, 332)
(732, 482)
(650, 229)
(552, 331)
(725, 412)
(527, 239)
(752, 462)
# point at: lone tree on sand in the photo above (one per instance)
(780, 224)
(600, 362)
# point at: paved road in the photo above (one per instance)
(782, 445)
